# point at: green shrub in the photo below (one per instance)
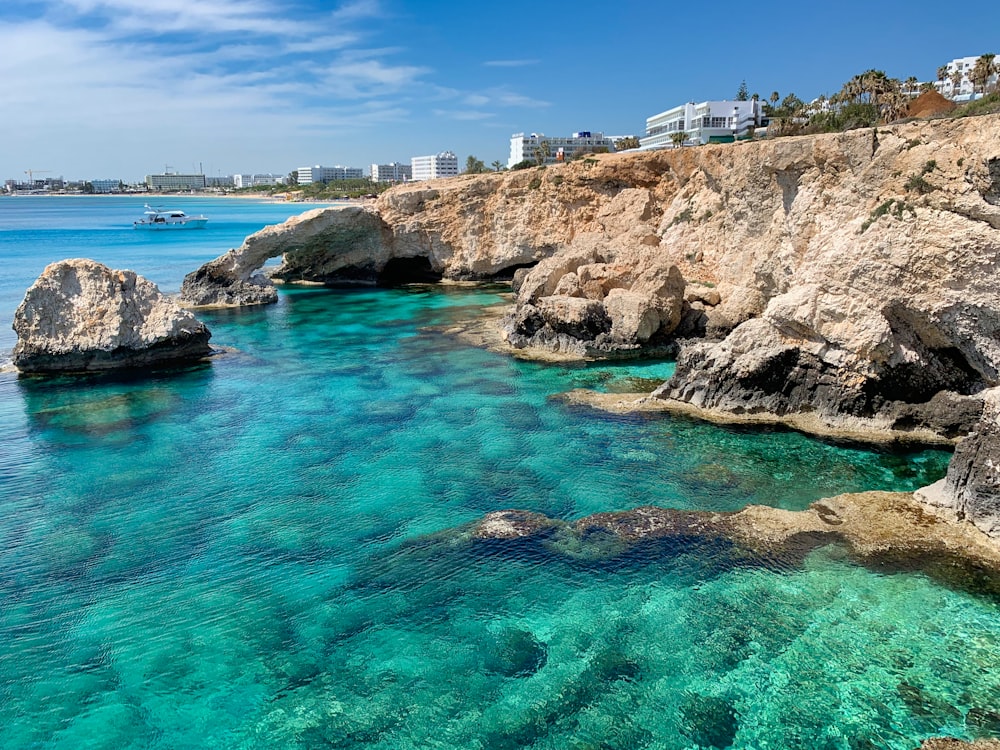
(891, 207)
(917, 184)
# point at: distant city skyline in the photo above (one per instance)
(124, 88)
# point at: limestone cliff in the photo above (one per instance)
(80, 316)
(849, 276)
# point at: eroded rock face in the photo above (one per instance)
(971, 490)
(815, 352)
(82, 316)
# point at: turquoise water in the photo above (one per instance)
(267, 551)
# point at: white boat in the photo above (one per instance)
(158, 218)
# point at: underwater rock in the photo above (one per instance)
(514, 653)
(80, 315)
(708, 720)
(885, 530)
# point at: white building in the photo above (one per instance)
(559, 149)
(707, 122)
(317, 173)
(394, 172)
(965, 90)
(254, 180)
(431, 167)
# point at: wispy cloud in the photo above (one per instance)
(464, 115)
(510, 63)
(103, 77)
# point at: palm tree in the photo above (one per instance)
(982, 71)
(542, 152)
(497, 165)
(774, 98)
(679, 138)
(910, 85)
(956, 83)
(942, 72)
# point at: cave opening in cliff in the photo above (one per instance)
(507, 273)
(417, 270)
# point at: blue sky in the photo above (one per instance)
(122, 88)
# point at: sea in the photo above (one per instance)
(272, 549)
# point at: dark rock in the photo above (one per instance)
(515, 653)
(708, 720)
(213, 285)
(973, 482)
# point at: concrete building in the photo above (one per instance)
(431, 167)
(254, 180)
(707, 122)
(317, 173)
(559, 148)
(170, 182)
(964, 91)
(394, 172)
(106, 186)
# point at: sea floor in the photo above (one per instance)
(272, 550)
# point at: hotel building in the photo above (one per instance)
(394, 172)
(560, 148)
(431, 167)
(317, 173)
(253, 180)
(707, 122)
(169, 182)
(964, 91)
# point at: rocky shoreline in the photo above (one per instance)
(839, 284)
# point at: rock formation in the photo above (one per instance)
(80, 316)
(850, 277)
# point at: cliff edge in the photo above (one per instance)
(850, 277)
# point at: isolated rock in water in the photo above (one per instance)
(80, 315)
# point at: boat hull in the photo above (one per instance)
(187, 224)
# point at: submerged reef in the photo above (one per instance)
(886, 530)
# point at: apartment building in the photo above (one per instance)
(444, 164)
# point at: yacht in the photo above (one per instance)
(157, 218)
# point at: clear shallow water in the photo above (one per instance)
(266, 552)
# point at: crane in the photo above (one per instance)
(32, 172)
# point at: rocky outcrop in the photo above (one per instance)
(971, 490)
(883, 529)
(83, 316)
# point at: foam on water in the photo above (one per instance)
(270, 551)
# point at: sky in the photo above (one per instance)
(119, 89)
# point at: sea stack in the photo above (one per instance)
(82, 316)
